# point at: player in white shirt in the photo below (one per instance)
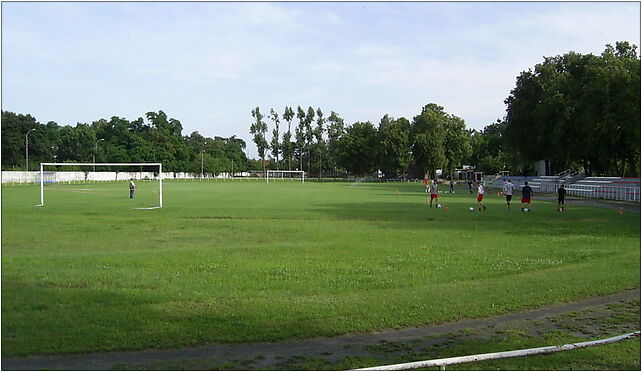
(508, 191)
(480, 196)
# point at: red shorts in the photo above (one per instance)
(526, 200)
(433, 196)
(480, 197)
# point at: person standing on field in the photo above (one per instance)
(561, 194)
(427, 184)
(452, 187)
(480, 197)
(132, 188)
(527, 193)
(433, 192)
(470, 186)
(508, 191)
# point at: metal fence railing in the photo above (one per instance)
(442, 363)
(630, 194)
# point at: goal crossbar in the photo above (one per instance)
(160, 177)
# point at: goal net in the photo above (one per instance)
(136, 185)
(281, 175)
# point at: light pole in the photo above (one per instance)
(96, 151)
(202, 151)
(232, 168)
(27, 148)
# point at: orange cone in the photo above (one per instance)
(621, 210)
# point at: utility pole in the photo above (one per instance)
(27, 148)
(95, 151)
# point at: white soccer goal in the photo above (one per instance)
(281, 175)
(58, 177)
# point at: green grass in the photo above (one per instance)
(240, 261)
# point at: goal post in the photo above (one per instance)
(284, 175)
(158, 166)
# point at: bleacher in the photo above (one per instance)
(616, 188)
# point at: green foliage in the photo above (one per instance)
(428, 137)
(114, 140)
(358, 148)
(258, 129)
(395, 150)
(287, 145)
(275, 146)
(456, 143)
(579, 109)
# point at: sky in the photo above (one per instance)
(209, 64)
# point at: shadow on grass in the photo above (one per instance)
(455, 215)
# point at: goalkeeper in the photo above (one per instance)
(132, 188)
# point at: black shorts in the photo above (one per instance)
(560, 200)
(509, 197)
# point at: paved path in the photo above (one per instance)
(332, 349)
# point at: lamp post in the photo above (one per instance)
(27, 148)
(202, 151)
(96, 151)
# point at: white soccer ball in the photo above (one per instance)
(438, 205)
(471, 209)
(526, 210)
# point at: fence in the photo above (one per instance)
(442, 363)
(630, 194)
(33, 177)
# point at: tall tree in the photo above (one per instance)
(300, 135)
(428, 136)
(335, 131)
(357, 148)
(395, 150)
(288, 115)
(456, 143)
(309, 119)
(274, 143)
(318, 136)
(258, 129)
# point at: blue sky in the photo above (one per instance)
(209, 64)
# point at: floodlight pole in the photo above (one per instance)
(27, 149)
(160, 183)
(42, 182)
(96, 150)
(202, 151)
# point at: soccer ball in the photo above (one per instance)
(438, 205)
(526, 210)
(471, 209)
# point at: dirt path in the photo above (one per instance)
(278, 355)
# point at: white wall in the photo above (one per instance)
(51, 176)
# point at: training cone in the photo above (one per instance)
(445, 209)
(621, 210)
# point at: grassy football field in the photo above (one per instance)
(240, 261)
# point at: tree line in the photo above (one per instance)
(578, 111)
(322, 146)
(156, 138)
(572, 111)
